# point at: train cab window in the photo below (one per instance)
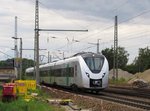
(95, 64)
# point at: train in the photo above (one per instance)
(85, 70)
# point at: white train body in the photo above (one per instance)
(85, 70)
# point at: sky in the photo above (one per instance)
(96, 16)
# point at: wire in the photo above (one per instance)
(85, 48)
(120, 6)
(5, 54)
(5, 47)
(147, 11)
(142, 13)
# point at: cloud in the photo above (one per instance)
(97, 16)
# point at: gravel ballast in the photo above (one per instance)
(86, 102)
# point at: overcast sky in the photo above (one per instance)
(95, 15)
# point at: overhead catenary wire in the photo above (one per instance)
(124, 39)
(111, 41)
(107, 27)
(121, 5)
(147, 11)
(126, 20)
(121, 40)
(5, 54)
(93, 36)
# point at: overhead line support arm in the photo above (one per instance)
(61, 30)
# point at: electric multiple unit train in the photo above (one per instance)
(85, 70)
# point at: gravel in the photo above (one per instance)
(121, 74)
(85, 102)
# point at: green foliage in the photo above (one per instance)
(43, 94)
(9, 63)
(131, 68)
(26, 63)
(109, 55)
(122, 57)
(33, 105)
(143, 60)
(141, 63)
(118, 82)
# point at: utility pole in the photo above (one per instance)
(98, 45)
(36, 44)
(115, 59)
(15, 49)
(20, 77)
(18, 60)
(49, 57)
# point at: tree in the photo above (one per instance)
(108, 53)
(122, 57)
(143, 60)
(26, 63)
(131, 68)
(9, 63)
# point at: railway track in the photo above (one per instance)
(133, 100)
(132, 97)
(142, 89)
(140, 93)
(125, 100)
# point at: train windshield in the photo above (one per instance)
(95, 64)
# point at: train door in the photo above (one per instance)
(50, 75)
(67, 75)
(77, 74)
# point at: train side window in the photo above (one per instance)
(75, 70)
(53, 72)
(58, 72)
(72, 71)
(63, 72)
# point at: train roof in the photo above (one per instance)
(74, 57)
(30, 69)
(87, 54)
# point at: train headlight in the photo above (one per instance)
(88, 75)
(103, 75)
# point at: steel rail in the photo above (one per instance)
(120, 98)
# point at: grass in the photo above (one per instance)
(120, 81)
(33, 105)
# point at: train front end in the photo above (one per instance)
(95, 70)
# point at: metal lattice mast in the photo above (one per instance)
(16, 43)
(115, 61)
(36, 44)
(20, 76)
(16, 48)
